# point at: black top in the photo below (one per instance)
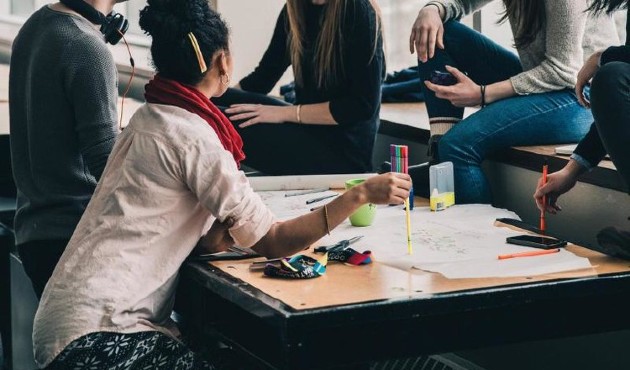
(355, 99)
(591, 147)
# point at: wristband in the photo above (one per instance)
(326, 219)
(298, 111)
(483, 96)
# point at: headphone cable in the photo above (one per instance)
(133, 73)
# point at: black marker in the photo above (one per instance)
(315, 200)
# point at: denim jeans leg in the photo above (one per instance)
(537, 119)
(482, 59)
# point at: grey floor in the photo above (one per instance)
(607, 351)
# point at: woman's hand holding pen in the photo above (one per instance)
(465, 93)
(584, 77)
(557, 184)
(256, 113)
(292, 236)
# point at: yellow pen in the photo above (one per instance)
(409, 248)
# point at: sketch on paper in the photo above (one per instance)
(459, 242)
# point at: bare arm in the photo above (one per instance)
(466, 93)
(257, 113)
(499, 90)
(557, 184)
(356, 99)
(289, 237)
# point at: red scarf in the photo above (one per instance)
(165, 91)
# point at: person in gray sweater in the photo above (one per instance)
(526, 99)
(62, 101)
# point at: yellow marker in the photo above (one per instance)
(409, 248)
(441, 201)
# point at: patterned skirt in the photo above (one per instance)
(144, 350)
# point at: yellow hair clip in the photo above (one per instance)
(195, 45)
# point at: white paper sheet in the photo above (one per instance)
(513, 267)
(285, 208)
(460, 242)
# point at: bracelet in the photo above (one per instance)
(483, 96)
(326, 220)
(298, 111)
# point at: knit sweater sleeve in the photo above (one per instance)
(456, 9)
(90, 78)
(564, 56)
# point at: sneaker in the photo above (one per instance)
(614, 242)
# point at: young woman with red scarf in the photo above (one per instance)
(171, 185)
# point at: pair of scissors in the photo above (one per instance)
(339, 246)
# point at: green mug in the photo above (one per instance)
(364, 215)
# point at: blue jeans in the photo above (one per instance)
(537, 119)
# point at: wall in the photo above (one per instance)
(499, 33)
(251, 31)
(398, 18)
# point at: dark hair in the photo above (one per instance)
(169, 22)
(327, 64)
(530, 19)
(608, 6)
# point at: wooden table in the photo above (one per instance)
(359, 314)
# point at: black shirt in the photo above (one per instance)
(355, 98)
(591, 147)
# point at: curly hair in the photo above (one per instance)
(168, 22)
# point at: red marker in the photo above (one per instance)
(543, 226)
(528, 254)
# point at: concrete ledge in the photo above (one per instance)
(408, 121)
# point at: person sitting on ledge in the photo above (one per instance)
(335, 49)
(610, 133)
(525, 99)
